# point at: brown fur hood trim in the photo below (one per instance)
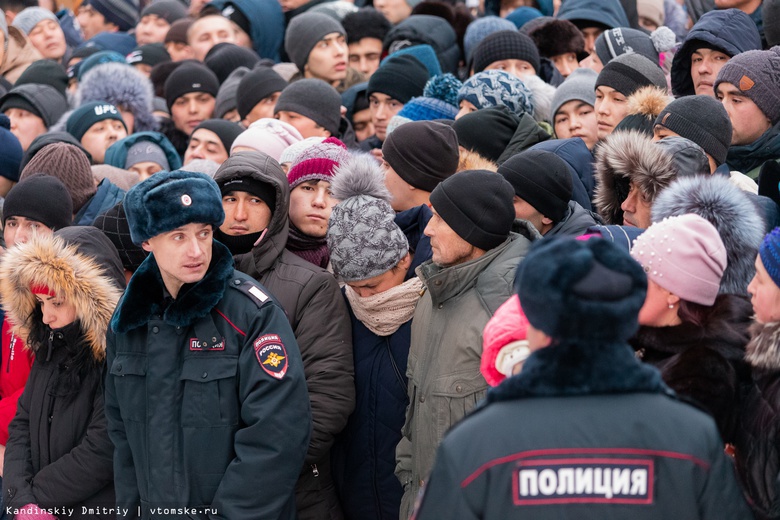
(763, 350)
(624, 158)
(47, 260)
(648, 101)
(473, 161)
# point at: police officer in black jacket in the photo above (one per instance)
(584, 430)
(205, 393)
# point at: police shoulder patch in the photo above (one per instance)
(271, 355)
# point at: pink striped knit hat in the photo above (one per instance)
(317, 162)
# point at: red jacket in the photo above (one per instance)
(14, 369)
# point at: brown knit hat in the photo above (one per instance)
(67, 163)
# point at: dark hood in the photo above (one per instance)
(580, 162)
(91, 242)
(605, 12)
(266, 21)
(421, 29)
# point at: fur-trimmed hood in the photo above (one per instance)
(763, 350)
(624, 158)
(733, 214)
(78, 278)
(120, 85)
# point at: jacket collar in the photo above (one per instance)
(580, 368)
(747, 157)
(144, 296)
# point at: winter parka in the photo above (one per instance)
(318, 316)
(446, 348)
(583, 434)
(59, 454)
(205, 398)
(757, 440)
(364, 454)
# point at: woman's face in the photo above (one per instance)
(656, 311)
(57, 312)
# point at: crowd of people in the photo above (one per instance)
(354, 260)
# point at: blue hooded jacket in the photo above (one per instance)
(604, 12)
(266, 21)
(729, 30)
(580, 160)
(116, 155)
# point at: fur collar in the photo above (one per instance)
(763, 351)
(582, 368)
(623, 158)
(47, 260)
(144, 296)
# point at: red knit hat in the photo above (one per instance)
(317, 162)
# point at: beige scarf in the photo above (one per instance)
(385, 312)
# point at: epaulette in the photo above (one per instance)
(252, 290)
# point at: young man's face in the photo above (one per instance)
(205, 144)
(183, 255)
(25, 125)
(361, 123)
(305, 125)
(18, 230)
(517, 68)
(151, 29)
(264, 109)
(191, 109)
(748, 122)
(448, 247)
(310, 206)
(145, 169)
(591, 34)
(577, 119)
(179, 51)
(92, 22)
(100, 136)
(208, 31)
(365, 55)
(396, 11)
(527, 212)
(328, 59)
(565, 63)
(48, 38)
(611, 107)
(705, 65)
(764, 295)
(245, 213)
(399, 189)
(382, 108)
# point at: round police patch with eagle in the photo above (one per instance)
(271, 355)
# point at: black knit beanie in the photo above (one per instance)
(190, 77)
(257, 85)
(701, 119)
(263, 190)
(46, 72)
(365, 23)
(505, 45)
(487, 131)
(42, 198)
(542, 179)
(227, 131)
(315, 99)
(477, 205)
(226, 57)
(113, 224)
(423, 153)
(629, 72)
(401, 77)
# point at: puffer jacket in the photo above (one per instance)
(364, 454)
(704, 363)
(729, 30)
(59, 454)
(445, 353)
(318, 315)
(757, 440)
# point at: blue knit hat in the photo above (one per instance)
(770, 255)
(10, 151)
(427, 109)
(491, 88)
(82, 119)
(168, 200)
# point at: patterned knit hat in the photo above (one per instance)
(491, 88)
(317, 162)
(755, 74)
(363, 239)
(505, 45)
(113, 224)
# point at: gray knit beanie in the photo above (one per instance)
(703, 120)
(28, 18)
(314, 99)
(303, 33)
(363, 238)
(629, 72)
(755, 74)
(227, 97)
(579, 86)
